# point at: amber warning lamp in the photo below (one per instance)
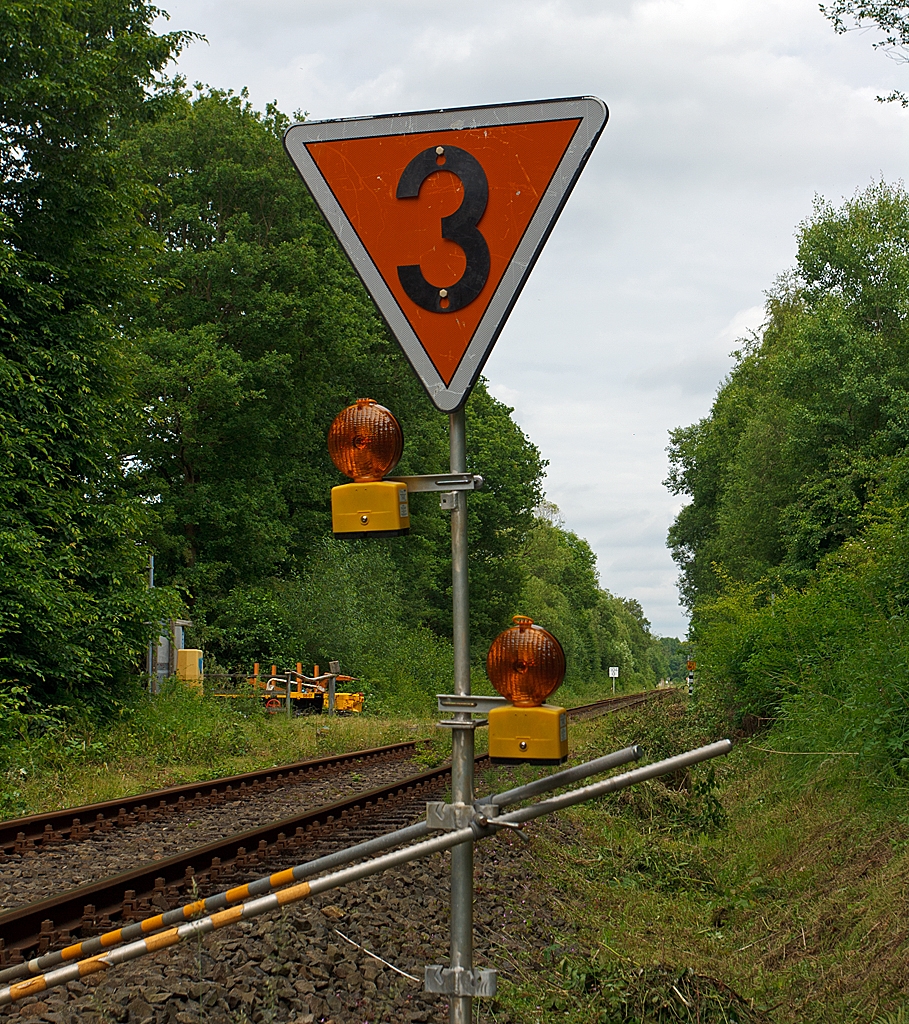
(526, 664)
(365, 443)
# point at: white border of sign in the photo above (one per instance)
(593, 116)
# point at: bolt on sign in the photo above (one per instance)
(444, 213)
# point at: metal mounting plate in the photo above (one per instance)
(472, 703)
(459, 981)
(440, 482)
(448, 817)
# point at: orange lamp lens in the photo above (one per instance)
(365, 441)
(525, 663)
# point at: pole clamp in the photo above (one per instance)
(459, 981)
(448, 817)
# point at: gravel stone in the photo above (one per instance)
(300, 966)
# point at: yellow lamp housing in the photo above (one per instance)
(528, 735)
(374, 508)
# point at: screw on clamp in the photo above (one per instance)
(518, 827)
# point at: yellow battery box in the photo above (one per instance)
(376, 508)
(528, 735)
(189, 668)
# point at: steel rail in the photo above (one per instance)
(90, 946)
(618, 703)
(23, 834)
(21, 929)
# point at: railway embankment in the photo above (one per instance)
(768, 887)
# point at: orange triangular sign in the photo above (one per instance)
(444, 214)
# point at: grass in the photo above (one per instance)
(751, 890)
(178, 737)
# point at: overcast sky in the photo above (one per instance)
(727, 118)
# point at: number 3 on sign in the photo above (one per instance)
(459, 227)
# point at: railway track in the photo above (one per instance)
(24, 835)
(157, 885)
(620, 703)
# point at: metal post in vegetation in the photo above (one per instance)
(334, 667)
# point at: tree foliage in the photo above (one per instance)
(890, 17)
(73, 607)
(179, 327)
(259, 335)
(597, 630)
(793, 546)
(802, 432)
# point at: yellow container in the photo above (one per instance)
(189, 668)
(377, 508)
(528, 735)
(350, 702)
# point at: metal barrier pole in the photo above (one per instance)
(563, 778)
(462, 738)
(334, 667)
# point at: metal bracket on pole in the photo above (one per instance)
(470, 702)
(440, 482)
(459, 981)
(441, 816)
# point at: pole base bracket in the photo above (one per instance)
(459, 981)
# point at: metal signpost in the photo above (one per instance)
(613, 675)
(443, 215)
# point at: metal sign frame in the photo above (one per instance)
(592, 115)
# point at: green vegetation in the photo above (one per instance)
(794, 547)
(49, 760)
(73, 256)
(762, 887)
